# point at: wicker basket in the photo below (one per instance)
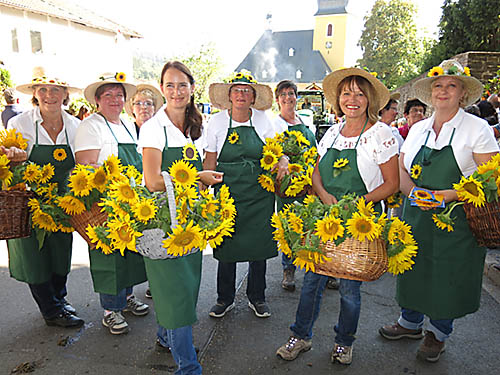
(14, 214)
(94, 217)
(355, 260)
(484, 223)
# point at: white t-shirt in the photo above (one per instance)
(94, 134)
(218, 126)
(376, 146)
(25, 124)
(472, 135)
(153, 134)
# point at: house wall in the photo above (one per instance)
(334, 56)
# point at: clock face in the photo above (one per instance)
(328, 44)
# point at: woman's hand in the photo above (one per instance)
(210, 177)
(327, 198)
(449, 195)
(14, 154)
(282, 167)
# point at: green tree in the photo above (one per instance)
(390, 44)
(466, 25)
(5, 82)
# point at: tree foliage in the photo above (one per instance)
(390, 43)
(466, 25)
(5, 82)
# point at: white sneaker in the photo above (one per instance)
(115, 322)
(136, 307)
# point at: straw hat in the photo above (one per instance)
(219, 92)
(332, 80)
(40, 77)
(105, 78)
(449, 68)
(395, 96)
(157, 98)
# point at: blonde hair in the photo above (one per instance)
(366, 88)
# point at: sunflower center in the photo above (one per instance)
(145, 211)
(182, 176)
(127, 192)
(81, 182)
(471, 188)
(124, 235)
(99, 179)
(363, 226)
(331, 228)
(268, 159)
(4, 172)
(184, 239)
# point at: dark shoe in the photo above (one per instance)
(67, 306)
(65, 319)
(431, 348)
(116, 323)
(396, 332)
(293, 347)
(136, 307)
(148, 293)
(160, 348)
(332, 283)
(220, 309)
(260, 309)
(288, 282)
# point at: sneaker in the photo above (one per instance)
(160, 348)
(115, 322)
(341, 354)
(64, 319)
(332, 283)
(396, 332)
(148, 293)
(288, 282)
(67, 306)
(431, 348)
(136, 307)
(220, 309)
(260, 309)
(293, 348)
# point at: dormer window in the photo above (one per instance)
(298, 74)
(291, 52)
(329, 30)
(264, 74)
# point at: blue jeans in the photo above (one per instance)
(49, 295)
(310, 304)
(180, 342)
(287, 262)
(256, 282)
(115, 303)
(411, 319)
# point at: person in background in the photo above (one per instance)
(306, 104)
(495, 101)
(388, 115)
(414, 112)
(11, 107)
(144, 104)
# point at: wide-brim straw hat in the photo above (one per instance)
(219, 92)
(104, 79)
(40, 77)
(157, 98)
(449, 68)
(332, 80)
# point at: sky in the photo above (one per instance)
(173, 28)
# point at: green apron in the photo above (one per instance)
(445, 281)
(240, 162)
(114, 272)
(175, 282)
(26, 262)
(280, 202)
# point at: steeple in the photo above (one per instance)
(326, 7)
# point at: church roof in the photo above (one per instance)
(279, 55)
(326, 7)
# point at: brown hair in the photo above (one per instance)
(193, 120)
(100, 90)
(366, 88)
(285, 84)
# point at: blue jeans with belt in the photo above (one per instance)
(115, 303)
(411, 319)
(180, 342)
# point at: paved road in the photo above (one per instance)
(240, 343)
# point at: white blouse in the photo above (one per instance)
(376, 146)
(472, 135)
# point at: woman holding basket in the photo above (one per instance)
(371, 151)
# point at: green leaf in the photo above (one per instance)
(285, 182)
(40, 236)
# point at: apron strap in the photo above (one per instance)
(359, 137)
(231, 118)
(166, 139)
(36, 132)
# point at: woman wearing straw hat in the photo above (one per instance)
(47, 128)
(445, 282)
(144, 104)
(169, 136)
(235, 137)
(372, 153)
(99, 136)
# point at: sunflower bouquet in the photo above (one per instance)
(295, 146)
(11, 175)
(302, 229)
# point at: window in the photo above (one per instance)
(264, 74)
(329, 30)
(298, 74)
(291, 52)
(36, 41)
(15, 43)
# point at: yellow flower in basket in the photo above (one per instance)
(79, 182)
(329, 228)
(268, 160)
(5, 173)
(123, 234)
(12, 138)
(362, 227)
(182, 240)
(71, 205)
(46, 173)
(144, 210)
(470, 190)
(32, 173)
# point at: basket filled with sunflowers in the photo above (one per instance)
(295, 146)
(348, 239)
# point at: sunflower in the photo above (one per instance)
(309, 199)
(5, 173)
(227, 210)
(59, 154)
(402, 261)
(399, 231)
(443, 222)
(415, 171)
(98, 179)
(182, 240)
(274, 147)
(297, 185)
(362, 227)
(113, 166)
(132, 173)
(340, 163)
(46, 173)
(436, 71)
(307, 259)
(188, 192)
(65, 229)
(189, 152)
(144, 210)
(98, 239)
(470, 190)
(114, 207)
(44, 221)
(209, 207)
(266, 182)
(233, 137)
(120, 77)
(329, 228)
(295, 168)
(79, 183)
(491, 165)
(467, 71)
(296, 224)
(364, 208)
(12, 138)
(268, 160)
(215, 236)
(422, 195)
(122, 234)
(182, 212)
(31, 173)
(122, 192)
(71, 205)
(183, 173)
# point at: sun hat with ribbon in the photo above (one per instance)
(157, 98)
(219, 92)
(104, 79)
(449, 68)
(332, 80)
(40, 77)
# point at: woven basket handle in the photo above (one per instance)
(171, 198)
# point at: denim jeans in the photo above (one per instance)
(287, 262)
(256, 283)
(411, 319)
(115, 303)
(49, 295)
(310, 304)
(180, 342)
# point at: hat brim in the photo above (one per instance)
(28, 88)
(473, 87)
(332, 80)
(89, 92)
(219, 95)
(157, 98)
